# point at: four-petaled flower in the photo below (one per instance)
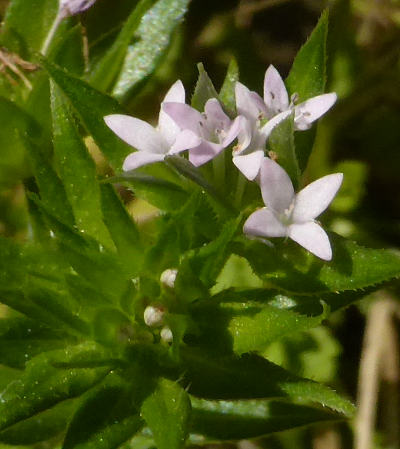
(214, 128)
(293, 215)
(274, 108)
(153, 144)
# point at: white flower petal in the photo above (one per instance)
(316, 197)
(270, 125)
(166, 125)
(185, 116)
(184, 141)
(276, 187)
(233, 131)
(72, 7)
(204, 153)
(216, 117)
(275, 93)
(244, 136)
(248, 103)
(140, 158)
(264, 223)
(310, 110)
(137, 133)
(312, 237)
(176, 93)
(249, 164)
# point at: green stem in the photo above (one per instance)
(240, 188)
(219, 171)
(51, 33)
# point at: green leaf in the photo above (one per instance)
(204, 89)
(52, 192)
(154, 33)
(16, 126)
(22, 338)
(249, 326)
(46, 382)
(237, 420)
(20, 33)
(122, 228)
(41, 427)
(189, 171)
(101, 268)
(307, 78)
(252, 377)
(281, 142)
(77, 170)
(107, 69)
(167, 413)
(105, 419)
(227, 92)
(161, 193)
(91, 106)
(210, 259)
(352, 267)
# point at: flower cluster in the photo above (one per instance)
(206, 134)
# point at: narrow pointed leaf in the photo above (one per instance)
(204, 89)
(154, 33)
(122, 228)
(237, 420)
(52, 191)
(352, 267)
(91, 106)
(307, 78)
(107, 69)
(106, 418)
(252, 377)
(22, 338)
(282, 143)
(40, 427)
(77, 170)
(167, 413)
(44, 385)
(227, 92)
(247, 326)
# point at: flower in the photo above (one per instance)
(71, 7)
(277, 100)
(293, 215)
(249, 152)
(214, 128)
(153, 315)
(153, 144)
(274, 108)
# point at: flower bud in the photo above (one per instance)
(166, 334)
(71, 7)
(154, 316)
(168, 277)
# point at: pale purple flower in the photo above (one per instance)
(277, 100)
(249, 152)
(153, 144)
(263, 115)
(214, 128)
(72, 7)
(293, 215)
